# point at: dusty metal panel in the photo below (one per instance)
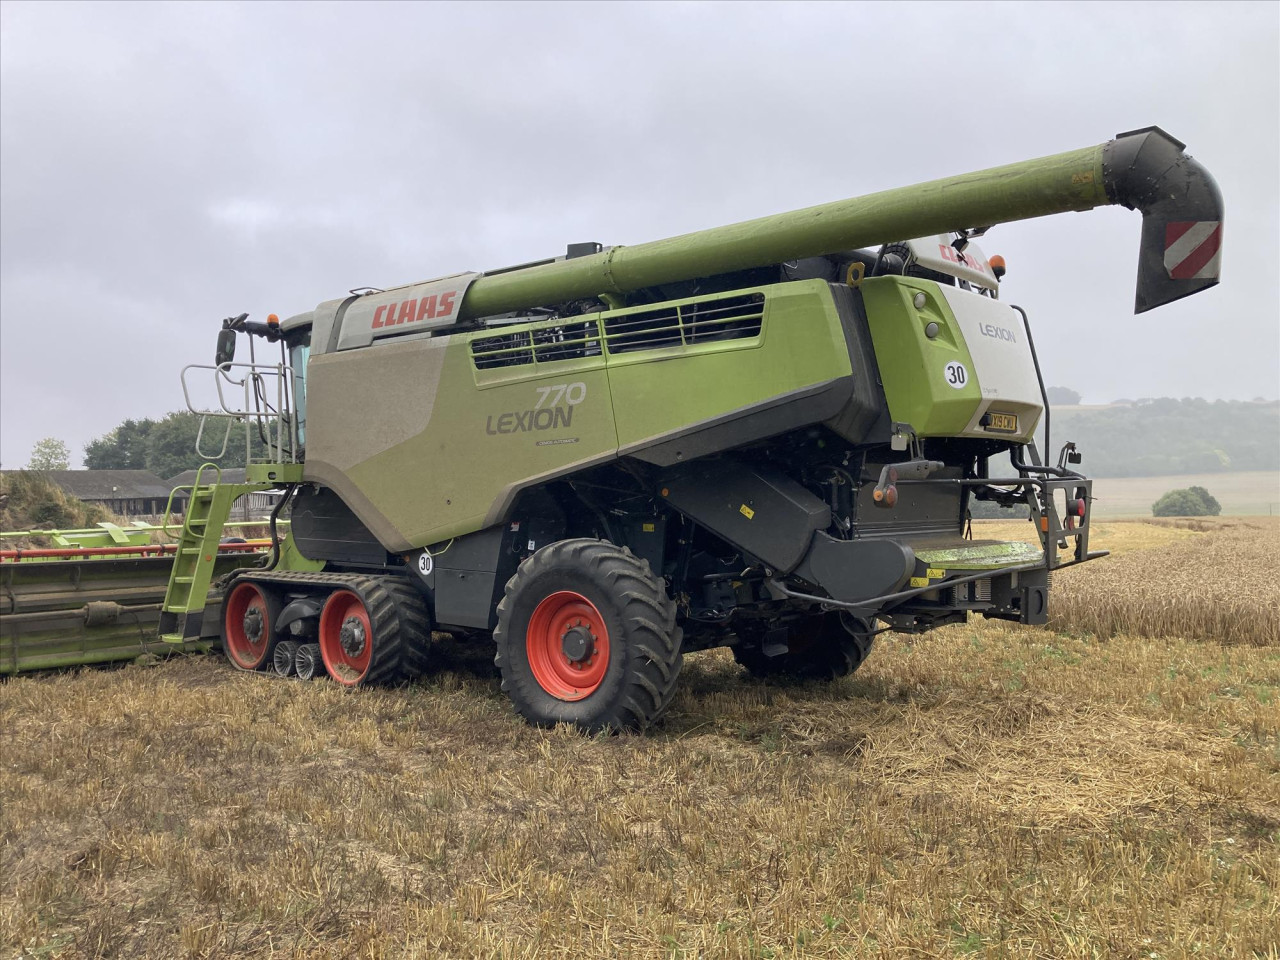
(43, 621)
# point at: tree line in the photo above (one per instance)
(167, 446)
(1154, 438)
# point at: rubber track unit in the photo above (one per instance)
(397, 613)
(644, 638)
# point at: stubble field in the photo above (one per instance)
(1107, 787)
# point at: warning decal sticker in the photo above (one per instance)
(1193, 250)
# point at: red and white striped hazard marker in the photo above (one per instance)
(1193, 250)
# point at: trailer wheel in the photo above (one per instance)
(821, 647)
(376, 632)
(248, 624)
(587, 635)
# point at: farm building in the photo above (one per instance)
(126, 493)
(252, 506)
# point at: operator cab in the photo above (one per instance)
(297, 340)
(294, 337)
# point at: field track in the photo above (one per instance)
(988, 790)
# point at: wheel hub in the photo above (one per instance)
(352, 637)
(252, 623)
(578, 643)
(567, 643)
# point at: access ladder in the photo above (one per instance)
(208, 510)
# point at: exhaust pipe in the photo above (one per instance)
(1181, 207)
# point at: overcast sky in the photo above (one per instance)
(165, 166)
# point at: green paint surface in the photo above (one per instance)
(490, 429)
(1017, 191)
(982, 555)
(800, 344)
(442, 481)
(913, 366)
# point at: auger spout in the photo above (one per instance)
(1181, 206)
(1144, 170)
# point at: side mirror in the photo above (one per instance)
(226, 347)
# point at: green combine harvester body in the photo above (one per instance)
(765, 436)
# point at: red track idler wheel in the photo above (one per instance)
(346, 637)
(568, 646)
(248, 618)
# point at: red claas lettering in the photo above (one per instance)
(413, 311)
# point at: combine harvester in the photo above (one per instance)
(764, 436)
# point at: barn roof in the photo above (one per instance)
(110, 484)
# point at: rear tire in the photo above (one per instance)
(587, 635)
(820, 648)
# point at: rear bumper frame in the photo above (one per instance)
(1054, 526)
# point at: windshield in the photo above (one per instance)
(299, 353)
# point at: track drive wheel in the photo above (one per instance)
(587, 635)
(374, 631)
(248, 625)
(823, 646)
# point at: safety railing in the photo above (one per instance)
(245, 394)
(1060, 507)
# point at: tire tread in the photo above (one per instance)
(652, 639)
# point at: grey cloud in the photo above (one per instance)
(165, 165)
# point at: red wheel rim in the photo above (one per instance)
(568, 646)
(346, 638)
(247, 626)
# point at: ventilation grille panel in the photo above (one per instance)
(707, 321)
(566, 341)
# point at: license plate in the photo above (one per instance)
(1003, 422)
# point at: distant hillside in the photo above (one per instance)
(1151, 438)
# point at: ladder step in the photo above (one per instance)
(197, 547)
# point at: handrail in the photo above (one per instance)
(168, 507)
(275, 420)
(226, 439)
